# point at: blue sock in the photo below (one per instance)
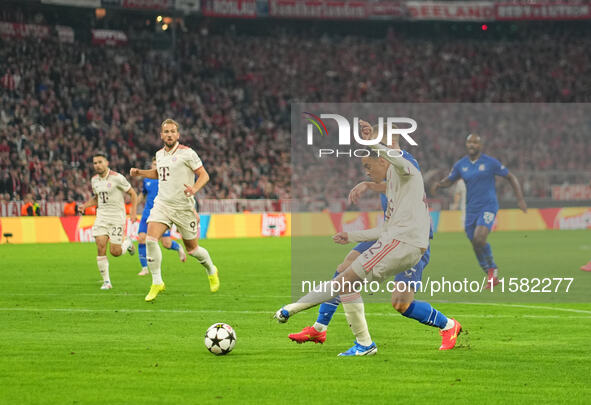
(141, 248)
(327, 309)
(481, 257)
(424, 313)
(174, 246)
(488, 256)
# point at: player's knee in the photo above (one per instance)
(141, 238)
(478, 242)
(400, 306)
(342, 267)
(166, 242)
(116, 250)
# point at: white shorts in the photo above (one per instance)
(186, 221)
(385, 258)
(114, 229)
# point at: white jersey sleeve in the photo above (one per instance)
(193, 160)
(123, 183)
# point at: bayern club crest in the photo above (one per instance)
(174, 159)
(108, 185)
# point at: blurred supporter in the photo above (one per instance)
(30, 207)
(232, 94)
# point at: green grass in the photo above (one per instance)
(63, 341)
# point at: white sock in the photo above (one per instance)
(449, 324)
(154, 256)
(312, 299)
(202, 255)
(125, 245)
(103, 265)
(320, 327)
(355, 312)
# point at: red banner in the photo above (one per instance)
(108, 37)
(571, 192)
(14, 30)
(385, 9)
(541, 11)
(567, 218)
(148, 4)
(459, 11)
(230, 8)
(325, 9)
(65, 34)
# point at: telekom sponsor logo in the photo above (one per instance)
(466, 11)
(230, 8)
(552, 11)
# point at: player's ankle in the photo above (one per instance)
(320, 327)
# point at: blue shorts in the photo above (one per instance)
(143, 228)
(485, 217)
(413, 274)
(363, 246)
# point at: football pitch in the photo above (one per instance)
(64, 341)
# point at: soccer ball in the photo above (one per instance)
(220, 339)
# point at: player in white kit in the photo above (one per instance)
(459, 202)
(176, 168)
(401, 241)
(109, 189)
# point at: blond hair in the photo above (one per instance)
(170, 121)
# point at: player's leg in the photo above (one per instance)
(378, 263)
(484, 225)
(470, 228)
(171, 244)
(381, 254)
(141, 248)
(586, 267)
(116, 237)
(203, 257)
(102, 261)
(326, 310)
(141, 245)
(154, 255)
(187, 223)
(403, 301)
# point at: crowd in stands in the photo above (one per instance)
(231, 93)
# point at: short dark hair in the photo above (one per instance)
(101, 154)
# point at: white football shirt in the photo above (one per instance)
(175, 169)
(110, 194)
(407, 217)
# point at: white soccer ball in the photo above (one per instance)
(220, 339)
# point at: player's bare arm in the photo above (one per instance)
(149, 173)
(342, 238)
(361, 188)
(91, 202)
(202, 180)
(134, 201)
(444, 183)
(517, 190)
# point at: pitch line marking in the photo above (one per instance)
(197, 311)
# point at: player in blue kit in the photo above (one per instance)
(402, 301)
(478, 172)
(149, 192)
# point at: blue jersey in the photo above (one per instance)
(479, 177)
(150, 191)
